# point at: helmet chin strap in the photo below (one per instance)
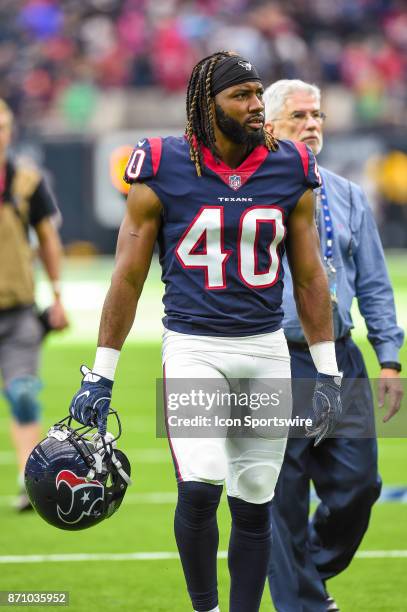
(97, 469)
(106, 444)
(120, 469)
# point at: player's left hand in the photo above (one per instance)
(390, 384)
(327, 406)
(91, 404)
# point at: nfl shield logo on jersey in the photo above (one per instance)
(235, 181)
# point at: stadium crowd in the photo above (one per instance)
(58, 58)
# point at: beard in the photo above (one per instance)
(235, 132)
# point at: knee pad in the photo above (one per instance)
(250, 517)
(22, 395)
(256, 483)
(207, 462)
(198, 501)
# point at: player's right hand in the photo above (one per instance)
(327, 406)
(91, 404)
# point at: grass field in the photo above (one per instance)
(119, 576)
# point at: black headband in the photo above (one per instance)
(231, 71)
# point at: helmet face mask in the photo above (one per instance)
(76, 478)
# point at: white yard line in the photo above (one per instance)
(143, 456)
(388, 495)
(84, 314)
(158, 556)
(381, 554)
(155, 498)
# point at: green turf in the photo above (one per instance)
(155, 586)
(139, 527)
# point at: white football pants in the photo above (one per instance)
(248, 464)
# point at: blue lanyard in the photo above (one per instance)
(329, 238)
(329, 232)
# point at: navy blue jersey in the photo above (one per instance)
(222, 234)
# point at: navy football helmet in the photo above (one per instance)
(76, 478)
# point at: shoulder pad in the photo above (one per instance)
(144, 161)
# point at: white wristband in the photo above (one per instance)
(324, 357)
(106, 360)
(56, 287)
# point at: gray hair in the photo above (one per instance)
(276, 94)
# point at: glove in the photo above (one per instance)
(91, 404)
(327, 406)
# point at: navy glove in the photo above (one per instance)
(91, 404)
(327, 406)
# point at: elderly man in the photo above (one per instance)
(343, 469)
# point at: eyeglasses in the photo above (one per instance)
(302, 116)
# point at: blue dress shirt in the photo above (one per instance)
(361, 271)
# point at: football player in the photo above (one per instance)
(220, 200)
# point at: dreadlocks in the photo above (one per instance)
(200, 115)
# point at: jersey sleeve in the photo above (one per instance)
(312, 178)
(144, 161)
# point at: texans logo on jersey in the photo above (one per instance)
(80, 497)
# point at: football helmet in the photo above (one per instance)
(75, 478)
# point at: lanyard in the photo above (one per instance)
(329, 232)
(329, 238)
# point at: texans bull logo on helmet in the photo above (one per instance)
(83, 498)
(76, 479)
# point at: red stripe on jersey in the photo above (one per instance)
(156, 146)
(302, 150)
